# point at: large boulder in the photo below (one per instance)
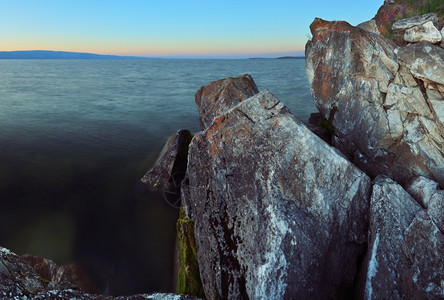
(278, 212)
(217, 97)
(404, 260)
(379, 100)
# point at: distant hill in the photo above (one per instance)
(291, 57)
(44, 54)
(281, 57)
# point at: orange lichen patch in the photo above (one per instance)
(216, 125)
(214, 135)
(322, 29)
(323, 82)
(276, 124)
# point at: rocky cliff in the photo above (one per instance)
(384, 102)
(278, 213)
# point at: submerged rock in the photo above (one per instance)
(33, 277)
(379, 100)
(217, 97)
(278, 213)
(67, 276)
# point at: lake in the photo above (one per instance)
(76, 137)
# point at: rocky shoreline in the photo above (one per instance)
(280, 213)
(351, 207)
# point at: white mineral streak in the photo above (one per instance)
(271, 275)
(372, 269)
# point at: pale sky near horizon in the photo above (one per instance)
(171, 28)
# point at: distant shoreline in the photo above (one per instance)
(281, 57)
(47, 54)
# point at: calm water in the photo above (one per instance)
(77, 135)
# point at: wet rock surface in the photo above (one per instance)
(169, 169)
(34, 277)
(278, 213)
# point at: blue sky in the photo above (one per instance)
(171, 28)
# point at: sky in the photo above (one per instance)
(171, 28)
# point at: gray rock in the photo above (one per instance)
(438, 109)
(279, 214)
(217, 97)
(376, 101)
(442, 38)
(414, 21)
(428, 194)
(425, 62)
(370, 26)
(406, 249)
(426, 32)
(424, 248)
(169, 169)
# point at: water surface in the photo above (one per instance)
(77, 135)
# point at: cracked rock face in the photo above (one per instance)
(278, 212)
(426, 32)
(385, 103)
(217, 97)
(404, 260)
(428, 194)
(408, 23)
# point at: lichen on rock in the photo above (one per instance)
(188, 281)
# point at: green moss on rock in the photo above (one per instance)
(323, 123)
(188, 281)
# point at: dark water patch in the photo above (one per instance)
(76, 138)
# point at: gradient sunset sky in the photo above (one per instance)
(171, 28)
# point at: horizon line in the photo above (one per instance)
(296, 53)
